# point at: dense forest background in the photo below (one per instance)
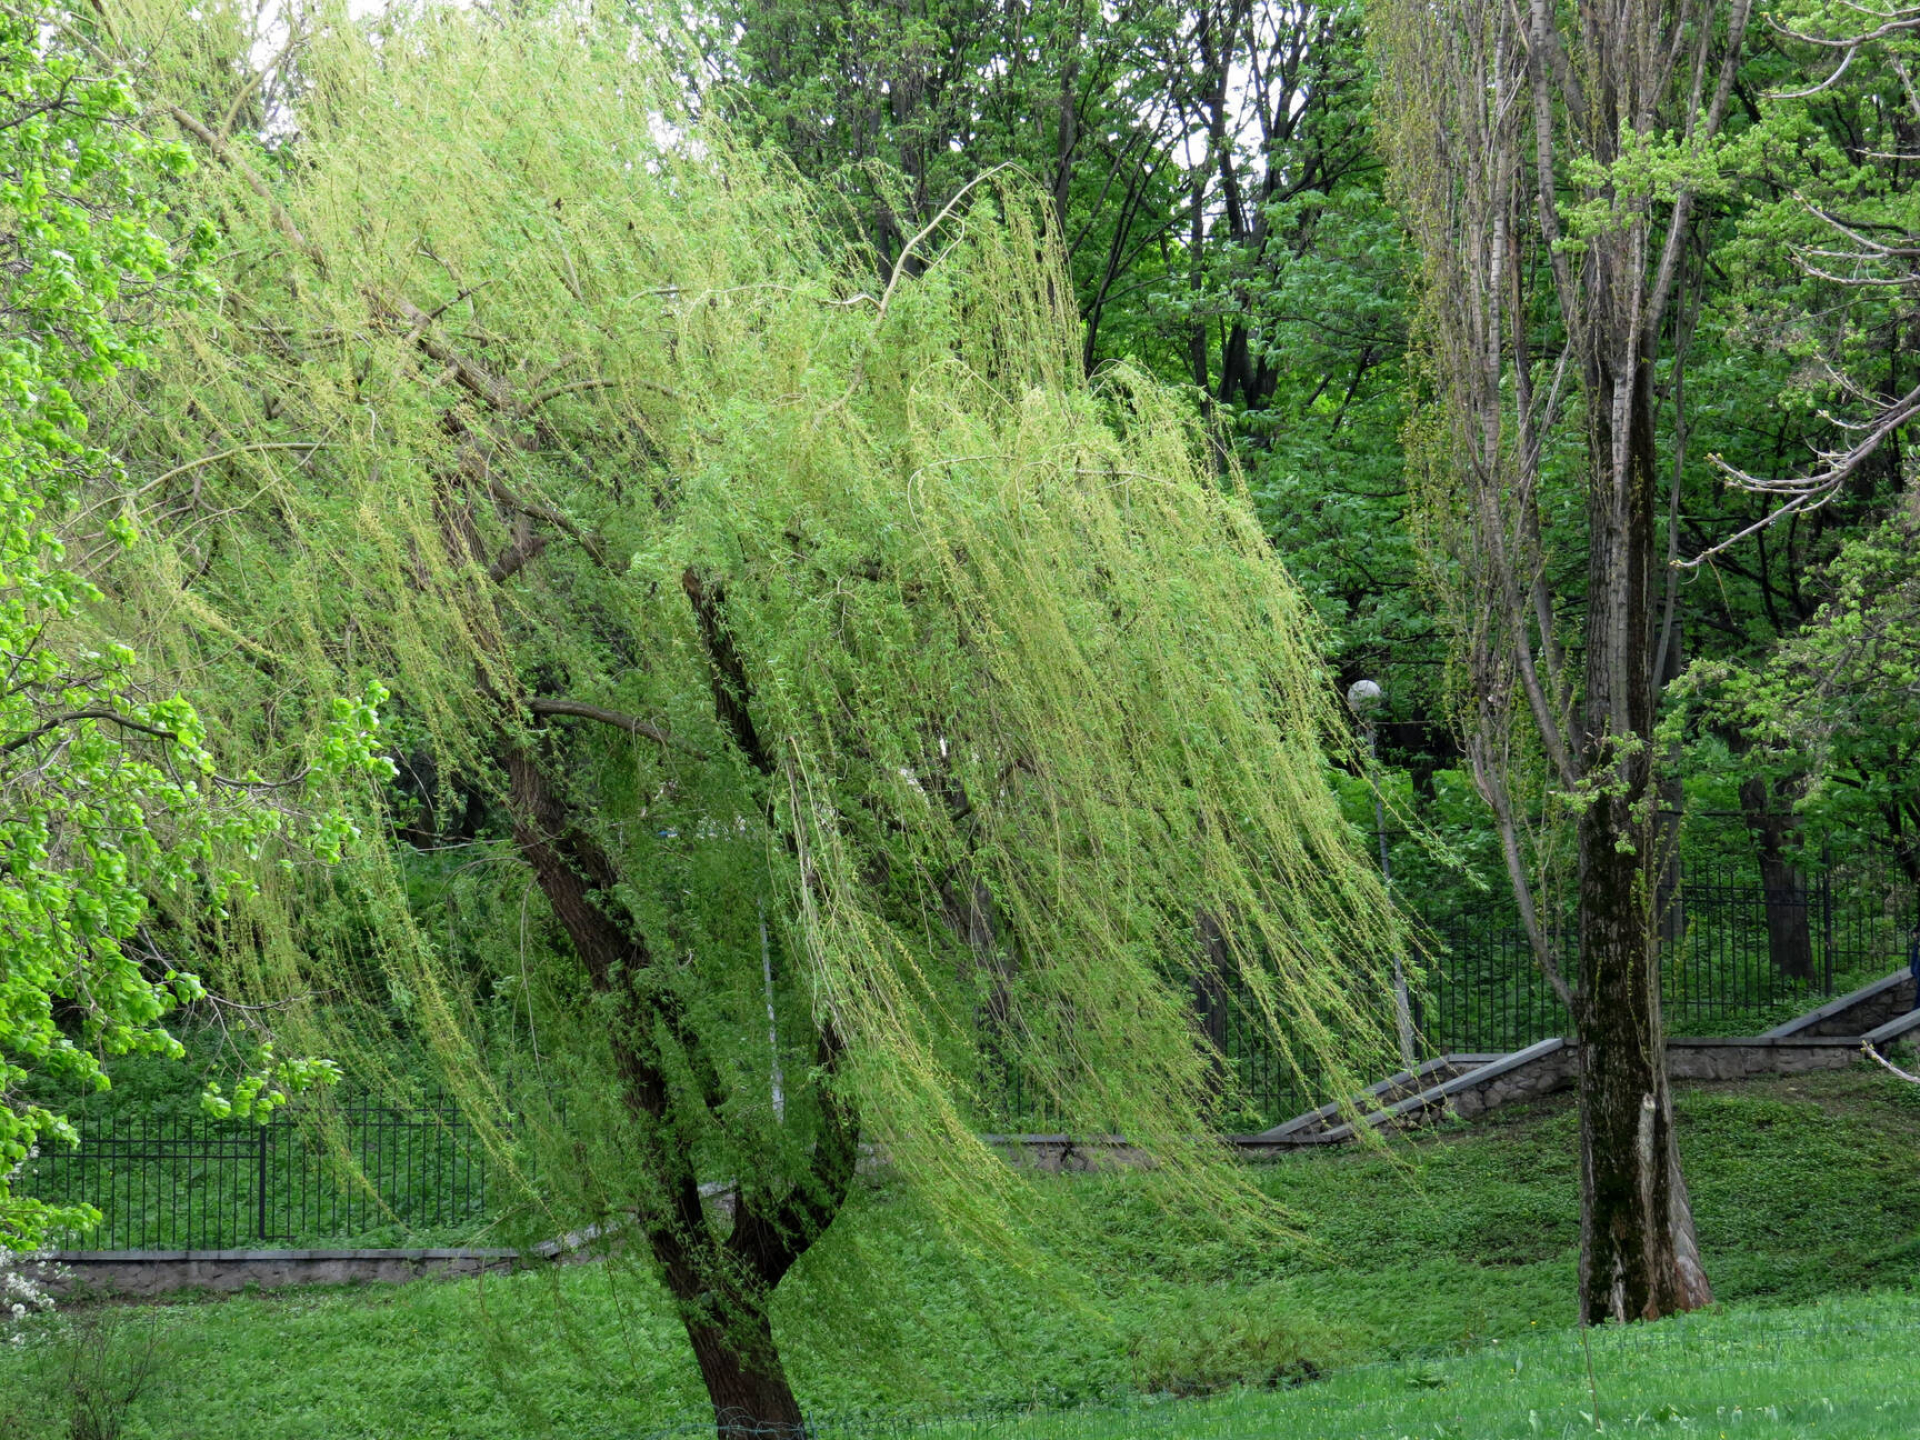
(1217, 177)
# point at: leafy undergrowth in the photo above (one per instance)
(1443, 1258)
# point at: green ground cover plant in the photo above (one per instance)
(1828, 1368)
(1439, 1260)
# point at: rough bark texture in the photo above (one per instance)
(722, 1281)
(1670, 911)
(1638, 1255)
(745, 1381)
(722, 1284)
(732, 1340)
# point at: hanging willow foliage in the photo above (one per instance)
(905, 693)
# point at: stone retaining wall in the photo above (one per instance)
(1867, 1008)
(1550, 1066)
(1538, 1070)
(1829, 1038)
(158, 1272)
(1695, 1058)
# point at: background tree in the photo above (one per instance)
(1825, 276)
(1243, 245)
(1215, 177)
(114, 818)
(1543, 318)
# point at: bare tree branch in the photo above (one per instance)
(632, 724)
(74, 716)
(1886, 1064)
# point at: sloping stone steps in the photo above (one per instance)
(1318, 1126)
(1828, 1038)
(1880, 1002)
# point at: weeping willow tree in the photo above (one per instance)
(851, 702)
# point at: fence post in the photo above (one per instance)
(1826, 917)
(260, 1196)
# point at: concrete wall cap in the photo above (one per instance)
(1893, 1029)
(1763, 1042)
(267, 1257)
(1870, 991)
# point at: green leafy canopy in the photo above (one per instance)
(512, 357)
(111, 793)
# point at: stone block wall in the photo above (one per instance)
(131, 1273)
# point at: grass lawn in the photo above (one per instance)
(1432, 1295)
(1840, 1369)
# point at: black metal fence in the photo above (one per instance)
(358, 1172)
(1738, 958)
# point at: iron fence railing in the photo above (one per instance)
(359, 1171)
(1739, 958)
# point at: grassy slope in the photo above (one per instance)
(1803, 1187)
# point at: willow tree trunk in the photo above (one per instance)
(1638, 1256)
(746, 1383)
(722, 1281)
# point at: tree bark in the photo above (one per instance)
(745, 1381)
(1670, 899)
(722, 1284)
(1789, 933)
(1638, 1255)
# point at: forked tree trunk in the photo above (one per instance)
(722, 1282)
(1471, 81)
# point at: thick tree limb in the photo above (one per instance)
(491, 392)
(1813, 491)
(282, 221)
(731, 692)
(632, 724)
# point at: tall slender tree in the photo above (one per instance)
(1549, 160)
